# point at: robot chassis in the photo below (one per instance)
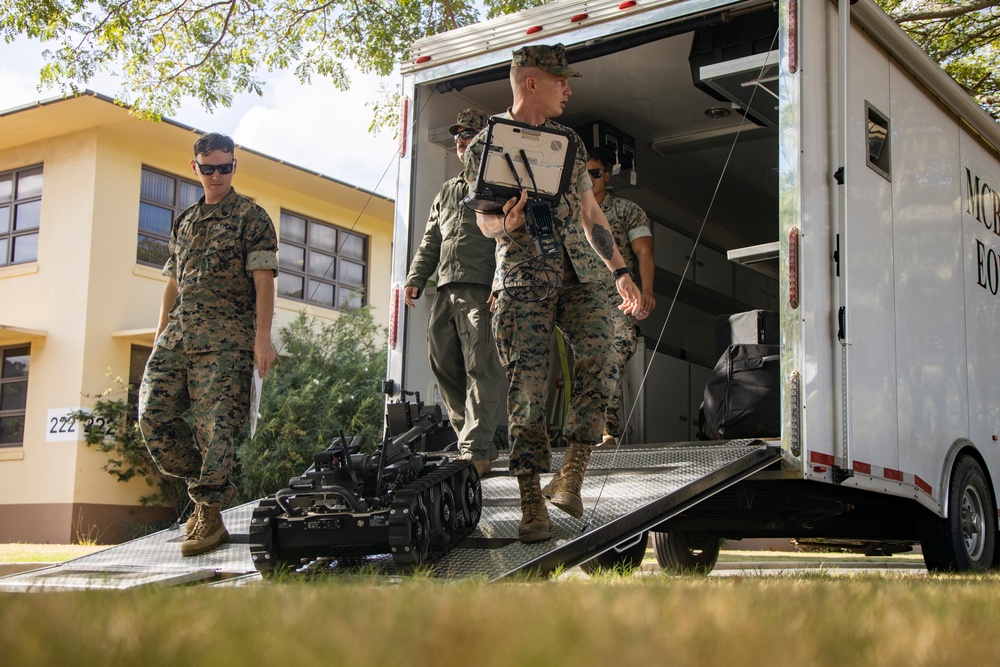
(349, 504)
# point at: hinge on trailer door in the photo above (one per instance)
(841, 315)
(839, 176)
(836, 256)
(840, 474)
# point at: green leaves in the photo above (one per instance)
(328, 382)
(963, 36)
(164, 51)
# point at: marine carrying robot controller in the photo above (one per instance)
(414, 506)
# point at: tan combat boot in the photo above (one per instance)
(535, 524)
(564, 489)
(482, 467)
(208, 533)
(230, 493)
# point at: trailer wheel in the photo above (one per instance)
(966, 540)
(686, 552)
(624, 561)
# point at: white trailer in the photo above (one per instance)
(801, 156)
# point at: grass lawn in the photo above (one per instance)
(817, 619)
(44, 553)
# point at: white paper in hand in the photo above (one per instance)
(255, 390)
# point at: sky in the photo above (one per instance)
(334, 140)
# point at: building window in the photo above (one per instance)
(20, 214)
(13, 394)
(321, 264)
(136, 367)
(161, 199)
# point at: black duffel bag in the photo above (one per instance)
(742, 395)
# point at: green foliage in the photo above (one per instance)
(961, 35)
(328, 382)
(111, 428)
(165, 51)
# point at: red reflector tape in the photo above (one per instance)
(533, 29)
(819, 457)
(922, 485)
(863, 468)
(579, 17)
(893, 474)
(627, 4)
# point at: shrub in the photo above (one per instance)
(327, 380)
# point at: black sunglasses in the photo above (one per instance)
(209, 169)
(595, 173)
(466, 134)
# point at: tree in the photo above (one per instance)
(327, 383)
(961, 35)
(165, 50)
(211, 50)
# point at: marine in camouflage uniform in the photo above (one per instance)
(634, 239)
(204, 354)
(535, 295)
(462, 353)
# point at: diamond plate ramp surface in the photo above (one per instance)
(153, 559)
(624, 493)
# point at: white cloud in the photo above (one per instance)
(315, 126)
(323, 129)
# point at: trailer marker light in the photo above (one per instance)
(404, 125)
(394, 316)
(423, 59)
(793, 36)
(627, 4)
(793, 268)
(533, 29)
(819, 469)
(579, 17)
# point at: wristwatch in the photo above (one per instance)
(618, 273)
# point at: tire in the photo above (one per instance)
(966, 540)
(686, 552)
(624, 561)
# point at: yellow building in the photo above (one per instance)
(87, 194)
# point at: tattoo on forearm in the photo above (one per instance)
(604, 242)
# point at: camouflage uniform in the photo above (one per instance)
(461, 349)
(523, 328)
(203, 359)
(628, 223)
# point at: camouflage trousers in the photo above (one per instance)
(215, 386)
(464, 360)
(523, 331)
(626, 337)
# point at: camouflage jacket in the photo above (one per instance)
(515, 249)
(628, 222)
(213, 258)
(453, 243)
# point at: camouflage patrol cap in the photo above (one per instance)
(472, 119)
(551, 58)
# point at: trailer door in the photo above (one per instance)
(866, 326)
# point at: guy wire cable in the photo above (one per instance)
(673, 301)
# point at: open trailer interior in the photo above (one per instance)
(691, 109)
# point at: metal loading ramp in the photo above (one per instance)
(626, 492)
